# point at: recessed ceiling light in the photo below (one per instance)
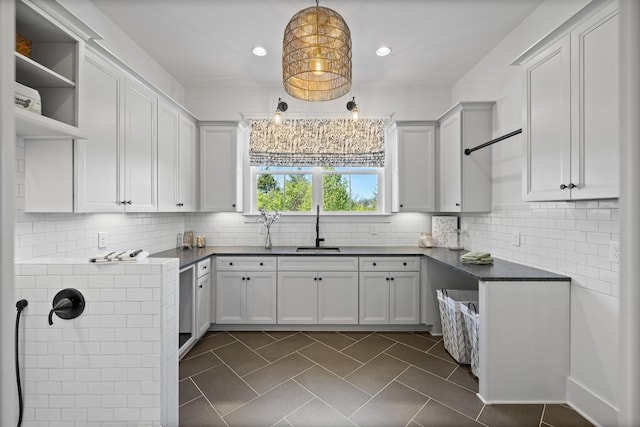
(383, 51)
(259, 51)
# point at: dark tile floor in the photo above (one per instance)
(340, 379)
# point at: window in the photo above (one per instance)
(300, 189)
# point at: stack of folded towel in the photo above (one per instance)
(476, 258)
(129, 256)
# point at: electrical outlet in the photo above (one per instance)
(515, 238)
(373, 229)
(102, 239)
(614, 251)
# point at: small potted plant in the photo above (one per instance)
(267, 219)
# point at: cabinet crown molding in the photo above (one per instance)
(560, 31)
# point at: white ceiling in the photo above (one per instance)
(209, 42)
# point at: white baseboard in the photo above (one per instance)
(591, 406)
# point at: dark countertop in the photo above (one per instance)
(500, 270)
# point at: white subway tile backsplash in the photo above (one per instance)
(570, 238)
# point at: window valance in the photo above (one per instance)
(317, 142)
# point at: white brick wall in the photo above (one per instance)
(570, 238)
(116, 364)
(228, 229)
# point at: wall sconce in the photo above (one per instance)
(353, 107)
(280, 108)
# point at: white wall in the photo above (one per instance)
(118, 42)
(8, 398)
(571, 238)
(226, 103)
(629, 392)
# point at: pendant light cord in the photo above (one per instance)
(20, 305)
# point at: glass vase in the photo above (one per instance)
(267, 240)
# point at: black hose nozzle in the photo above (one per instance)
(20, 305)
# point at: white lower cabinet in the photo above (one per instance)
(318, 290)
(337, 297)
(203, 296)
(297, 297)
(245, 290)
(389, 291)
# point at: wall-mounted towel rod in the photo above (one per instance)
(493, 141)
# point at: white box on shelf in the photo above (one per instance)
(27, 98)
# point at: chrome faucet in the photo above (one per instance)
(318, 239)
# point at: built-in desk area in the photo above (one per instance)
(524, 325)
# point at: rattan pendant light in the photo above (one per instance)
(316, 55)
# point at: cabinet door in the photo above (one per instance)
(168, 151)
(337, 297)
(297, 297)
(595, 112)
(231, 294)
(374, 298)
(203, 289)
(547, 129)
(404, 298)
(187, 166)
(218, 168)
(261, 297)
(97, 161)
(450, 176)
(140, 148)
(416, 168)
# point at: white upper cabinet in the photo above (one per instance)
(176, 160)
(116, 164)
(415, 168)
(140, 148)
(547, 128)
(464, 181)
(595, 115)
(97, 165)
(187, 164)
(571, 90)
(219, 167)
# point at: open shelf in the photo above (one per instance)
(33, 125)
(51, 67)
(33, 74)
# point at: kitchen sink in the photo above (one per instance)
(318, 250)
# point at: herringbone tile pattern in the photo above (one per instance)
(340, 379)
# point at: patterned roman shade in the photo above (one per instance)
(317, 142)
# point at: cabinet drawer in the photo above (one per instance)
(248, 263)
(203, 267)
(390, 264)
(317, 263)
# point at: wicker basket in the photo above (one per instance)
(454, 335)
(472, 325)
(23, 45)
